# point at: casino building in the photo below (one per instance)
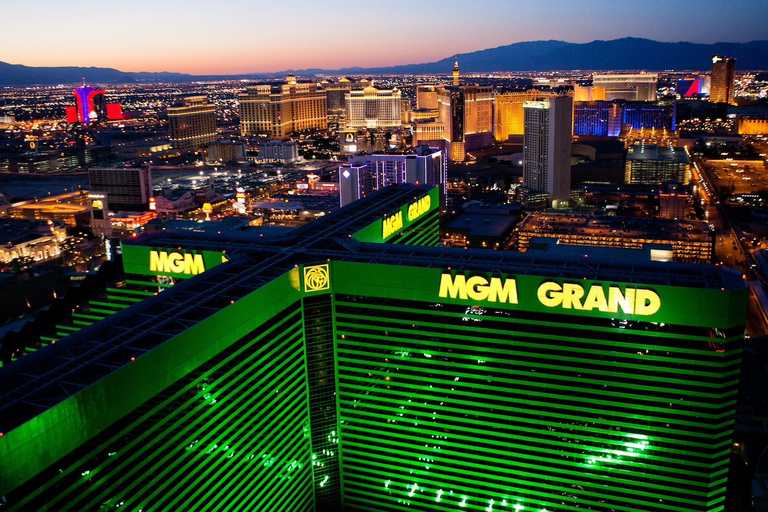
(353, 364)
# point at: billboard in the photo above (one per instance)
(179, 263)
(694, 307)
(398, 221)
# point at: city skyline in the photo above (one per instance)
(190, 38)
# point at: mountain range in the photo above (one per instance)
(618, 54)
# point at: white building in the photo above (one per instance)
(547, 148)
(226, 151)
(276, 151)
(39, 240)
(630, 87)
(362, 175)
(373, 108)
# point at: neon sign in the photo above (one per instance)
(478, 288)
(633, 301)
(176, 263)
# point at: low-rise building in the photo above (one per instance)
(39, 240)
(277, 151)
(649, 164)
(687, 241)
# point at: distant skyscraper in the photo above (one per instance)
(605, 118)
(602, 118)
(630, 87)
(659, 115)
(508, 112)
(92, 107)
(649, 164)
(373, 108)
(456, 80)
(547, 148)
(277, 151)
(723, 73)
(128, 188)
(430, 132)
(363, 175)
(467, 114)
(100, 225)
(588, 93)
(276, 111)
(192, 124)
(691, 87)
(90, 103)
(672, 201)
(426, 97)
(335, 93)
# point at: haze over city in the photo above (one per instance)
(242, 36)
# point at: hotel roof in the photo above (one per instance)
(652, 152)
(39, 381)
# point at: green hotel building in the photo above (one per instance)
(356, 365)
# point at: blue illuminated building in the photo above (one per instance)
(605, 118)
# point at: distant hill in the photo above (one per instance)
(618, 54)
(16, 74)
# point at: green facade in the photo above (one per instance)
(418, 227)
(356, 386)
(458, 405)
(216, 418)
(169, 262)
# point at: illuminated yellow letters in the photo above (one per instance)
(595, 299)
(392, 224)
(453, 287)
(176, 263)
(419, 208)
(572, 293)
(647, 302)
(550, 294)
(478, 288)
(158, 261)
(616, 299)
(506, 292)
(633, 301)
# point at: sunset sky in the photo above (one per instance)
(242, 36)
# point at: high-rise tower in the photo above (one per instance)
(547, 147)
(723, 72)
(373, 108)
(508, 112)
(278, 110)
(456, 73)
(355, 365)
(192, 123)
(92, 107)
(467, 114)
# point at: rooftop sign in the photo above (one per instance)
(159, 261)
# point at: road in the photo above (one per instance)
(729, 249)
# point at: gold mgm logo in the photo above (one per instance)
(316, 278)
